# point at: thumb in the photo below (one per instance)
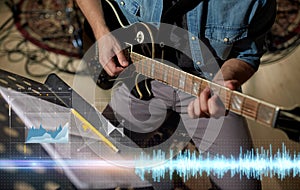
(122, 59)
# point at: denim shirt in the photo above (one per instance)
(232, 28)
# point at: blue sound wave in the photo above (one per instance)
(252, 164)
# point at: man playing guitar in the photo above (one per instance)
(234, 32)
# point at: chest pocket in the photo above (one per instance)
(222, 39)
(131, 9)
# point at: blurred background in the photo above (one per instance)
(45, 36)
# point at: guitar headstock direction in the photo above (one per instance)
(288, 120)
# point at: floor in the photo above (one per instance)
(275, 82)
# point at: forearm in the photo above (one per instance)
(93, 12)
(234, 73)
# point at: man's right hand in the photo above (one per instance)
(108, 47)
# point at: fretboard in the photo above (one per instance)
(257, 110)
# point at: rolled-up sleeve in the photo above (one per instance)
(261, 19)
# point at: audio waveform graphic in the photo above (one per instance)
(252, 164)
(41, 135)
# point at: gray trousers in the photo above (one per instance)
(223, 136)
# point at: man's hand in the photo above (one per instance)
(208, 104)
(232, 75)
(109, 47)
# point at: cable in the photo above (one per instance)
(284, 36)
(38, 61)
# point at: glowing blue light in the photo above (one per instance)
(252, 164)
(52, 164)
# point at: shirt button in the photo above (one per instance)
(193, 38)
(122, 3)
(198, 62)
(226, 39)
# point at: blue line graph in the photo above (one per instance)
(252, 164)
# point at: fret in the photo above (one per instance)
(152, 73)
(137, 62)
(265, 113)
(250, 107)
(165, 75)
(225, 96)
(141, 66)
(145, 68)
(196, 89)
(196, 86)
(188, 88)
(137, 66)
(182, 79)
(236, 102)
(203, 85)
(159, 71)
(175, 81)
(215, 88)
(170, 75)
(149, 66)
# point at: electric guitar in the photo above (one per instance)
(148, 68)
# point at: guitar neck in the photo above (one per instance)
(257, 110)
